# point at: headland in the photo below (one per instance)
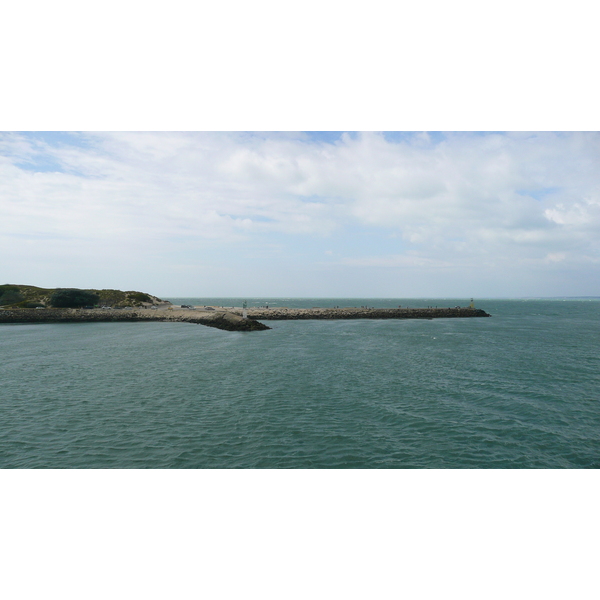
(29, 304)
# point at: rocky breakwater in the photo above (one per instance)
(220, 319)
(276, 314)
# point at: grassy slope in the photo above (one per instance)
(17, 296)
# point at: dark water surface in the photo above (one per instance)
(518, 390)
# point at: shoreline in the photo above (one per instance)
(227, 319)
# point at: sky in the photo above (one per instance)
(317, 214)
(308, 214)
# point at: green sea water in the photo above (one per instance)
(518, 390)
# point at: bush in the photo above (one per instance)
(10, 294)
(139, 297)
(73, 298)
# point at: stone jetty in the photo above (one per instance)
(276, 314)
(229, 319)
(221, 319)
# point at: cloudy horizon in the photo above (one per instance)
(289, 214)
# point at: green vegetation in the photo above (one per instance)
(29, 296)
(73, 298)
(138, 297)
(10, 294)
(22, 296)
(119, 298)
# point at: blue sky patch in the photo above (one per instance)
(540, 194)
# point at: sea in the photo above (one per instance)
(519, 390)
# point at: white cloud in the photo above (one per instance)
(556, 257)
(397, 260)
(453, 199)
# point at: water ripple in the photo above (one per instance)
(519, 390)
